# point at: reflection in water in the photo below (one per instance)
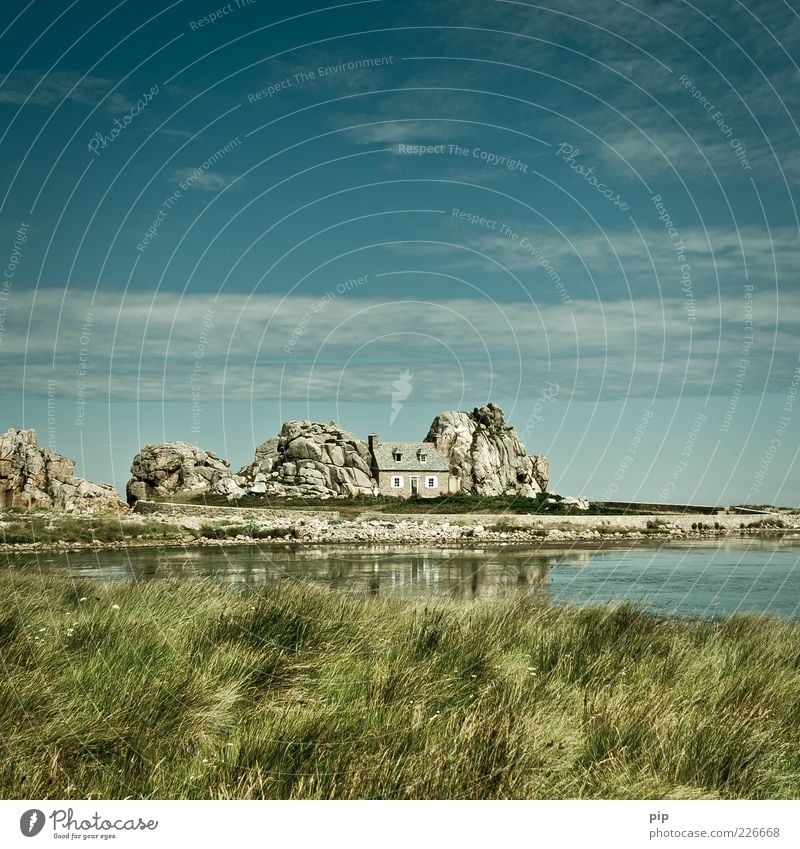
(709, 578)
(525, 573)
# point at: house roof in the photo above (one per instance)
(410, 451)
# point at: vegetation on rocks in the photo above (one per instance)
(249, 531)
(450, 504)
(25, 527)
(187, 690)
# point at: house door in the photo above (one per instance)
(414, 486)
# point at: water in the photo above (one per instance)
(681, 579)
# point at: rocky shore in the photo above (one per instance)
(190, 525)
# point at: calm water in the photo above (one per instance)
(683, 579)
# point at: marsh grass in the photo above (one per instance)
(188, 690)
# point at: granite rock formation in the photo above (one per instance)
(488, 456)
(167, 468)
(320, 460)
(34, 477)
(310, 460)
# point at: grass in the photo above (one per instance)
(354, 505)
(191, 691)
(765, 523)
(611, 530)
(48, 527)
(443, 504)
(250, 530)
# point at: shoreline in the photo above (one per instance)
(467, 544)
(170, 525)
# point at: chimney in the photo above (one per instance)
(372, 441)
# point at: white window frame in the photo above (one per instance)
(428, 484)
(423, 458)
(397, 482)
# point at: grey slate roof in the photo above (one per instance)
(410, 462)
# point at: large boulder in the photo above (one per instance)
(310, 460)
(487, 456)
(34, 477)
(168, 468)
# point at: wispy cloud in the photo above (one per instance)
(173, 133)
(203, 179)
(322, 73)
(399, 131)
(147, 347)
(722, 259)
(616, 67)
(49, 89)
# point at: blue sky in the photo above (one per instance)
(214, 218)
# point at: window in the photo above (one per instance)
(431, 482)
(397, 482)
(423, 458)
(397, 456)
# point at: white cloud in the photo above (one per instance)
(203, 179)
(718, 256)
(50, 89)
(607, 62)
(172, 133)
(398, 131)
(149, 346)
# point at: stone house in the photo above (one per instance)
(406, 469)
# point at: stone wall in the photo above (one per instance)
(683, 521)
(162, 508)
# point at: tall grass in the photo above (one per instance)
(191, 691)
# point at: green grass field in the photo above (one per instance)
(189, 690)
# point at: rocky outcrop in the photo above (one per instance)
(34, 477)
(487, 456)
(310, 460)
(167, 468)
(320, 460)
